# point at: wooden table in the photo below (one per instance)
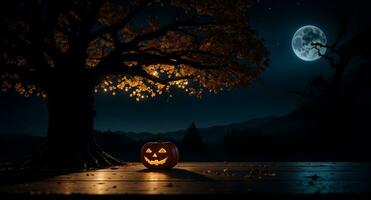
(217, 179)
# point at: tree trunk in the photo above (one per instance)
(336, 88)
(336, 120)
(71, 142)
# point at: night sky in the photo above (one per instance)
(276, 22)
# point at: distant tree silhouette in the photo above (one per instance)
(192, 141)
(342, 54)
(230, 142)
(315, 98)
(347, 51)
(66, 50)
(332, 100)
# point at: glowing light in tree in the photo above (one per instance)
(187, 54)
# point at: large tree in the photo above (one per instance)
(66, 50)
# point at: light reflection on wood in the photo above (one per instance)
(203, 178)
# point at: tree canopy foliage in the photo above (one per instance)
(139, 47)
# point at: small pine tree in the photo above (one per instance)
(192, 141)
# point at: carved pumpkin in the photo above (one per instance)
(159, 155)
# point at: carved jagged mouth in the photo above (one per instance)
(155, 162)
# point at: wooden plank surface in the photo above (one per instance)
(207, 178)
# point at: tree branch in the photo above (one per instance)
(148, 59)
(180, 53)
(139, 71)
(341, 34)
(115, 27)
(317, 46)
(162, 31)
(105, 69)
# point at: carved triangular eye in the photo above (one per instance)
(162, 150)
(148, 150)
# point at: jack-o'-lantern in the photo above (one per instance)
(159, 155)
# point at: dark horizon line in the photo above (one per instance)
(153, 132)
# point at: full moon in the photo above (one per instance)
(302, 43)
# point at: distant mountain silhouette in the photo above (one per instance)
(271, 138)
(279, 127)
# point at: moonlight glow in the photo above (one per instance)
(302, 42)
